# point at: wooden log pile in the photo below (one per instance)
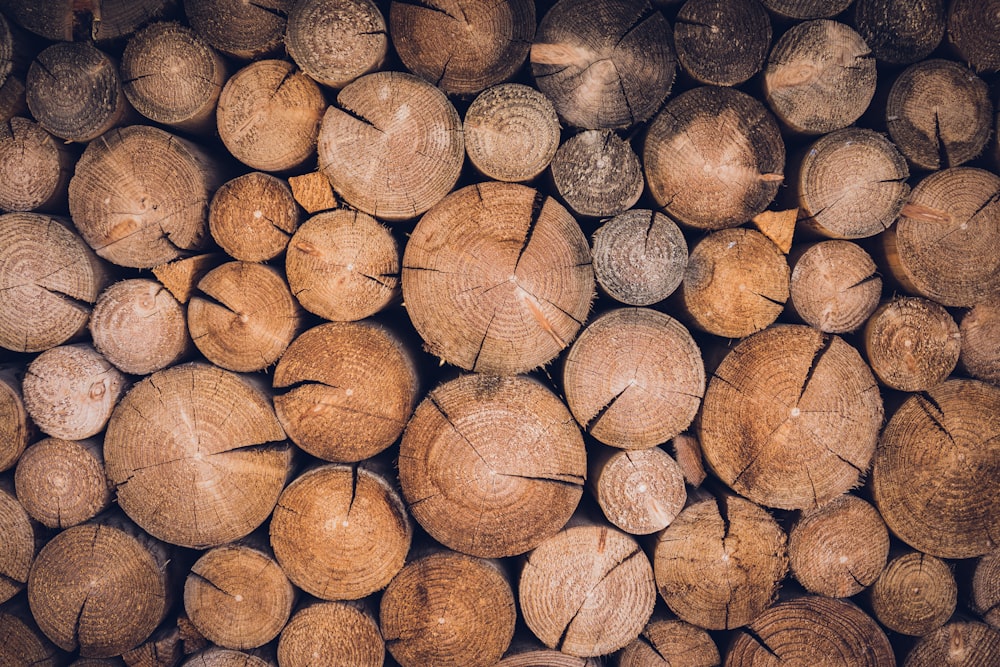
(500, 333)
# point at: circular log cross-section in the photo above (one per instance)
(215, 656)
(269, 114)
(497, 278)
(196, 455)
(719, 564)
(587, 590)
(605, 64)
(851, 184)
(820, 77)
(243, 316)
(915, 594)
(639, 491)
(900, 32)
(139, 326)
(526, 651)
(17, 551)
(804, 10)
(736, 283)
(343, 265)
(462, 46)
(172, 76)
(338, 634)
(985, 583)
(70, 391)
(973, 29)
(639, 257)
(35, 168)
(237, 596)
(634, 378)
(252, 217)
(939, 114)
(834, 286)
(911, 343)
(798, 631)
(959, 644)
(49, 279)
(62, 483)
(337, 41)
(791, 418)
(340, 532)
(713, 158)
(597, 174)
(839, 549)
(936, 476)
(23, 643)
(241, 29)
(75, 92)
(101, 588)
(345, 390)
(107, 20)
(16, 430)
(722, 42)
(980, 336)
(392, 145)
(946, 244)
(665, 643)
(140, 196)
(511, 132)
(492, 466)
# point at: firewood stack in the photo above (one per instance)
(475, 333)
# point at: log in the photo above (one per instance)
(243, 30)
(736, 283)
(20, 543)
(713, 158)
(171, 75)
(640, 492)
(34, 168)
(139, 327)
(345, 390)
(597, 174)
(687, 453)
(851, 184)
(243, 316)
(839, 549)
(985, 585)
(182, 275)
(107, 20)
(343, 265)
(340, 634)
(253, 216)
(921, 480)
(341, 532)
(911, 343)
(915, 594)
(973, 26)
(944, 245)
(980, 336)
(497, 278)
(791, 417)
(50, 280)
(16, 429)
(526, 651)
(588, 590)
(801, 629)
(74, 91)
(803, 10)
(719, 564)
(70, 391)
(960, 643)
(100, 587)
(462, 46)
(634, 378)
(604, 65)
(900, 32)
(12, 100)
(21, 642)
(511, 132)
(313, 192)
(492, 466)
(779, 226)
(667, 642)
(268, 116)
(391, 145)
(237, 596)
(938, 113)
(722, 42)
(834, 286)
(140, 196)
(196, 455)
(336, 42)
(62, 483)
(162, 649)
(639, 257)
(215, 656)
(819, 77)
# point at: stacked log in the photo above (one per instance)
(499, 333)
